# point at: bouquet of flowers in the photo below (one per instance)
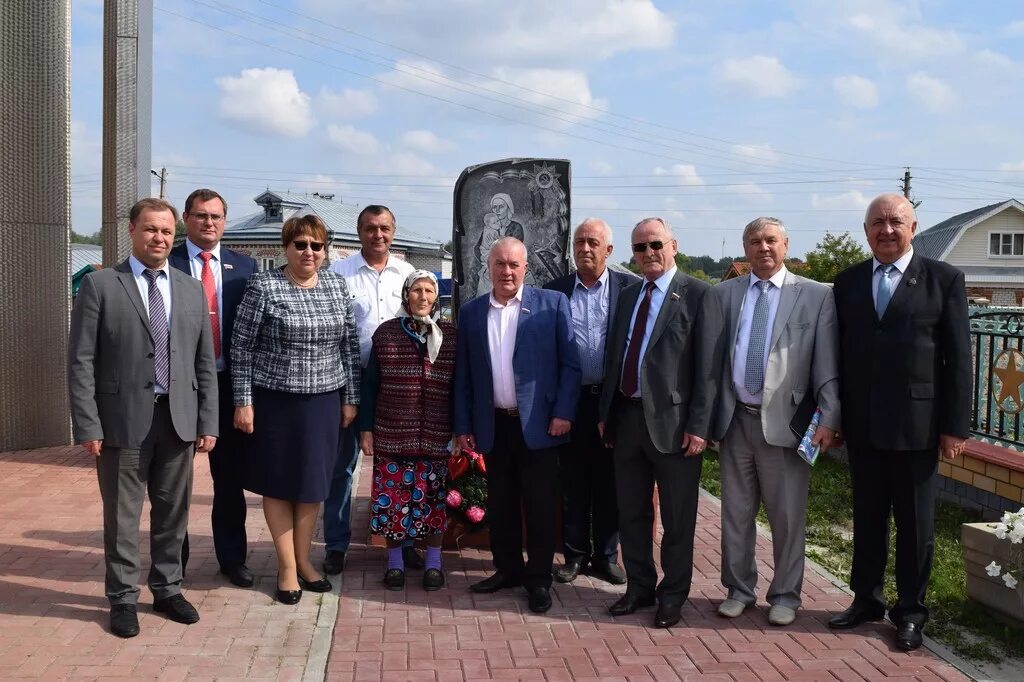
(1010, 527)
(467, 490)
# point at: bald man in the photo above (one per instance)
(905, 387)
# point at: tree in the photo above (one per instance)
(832, 255)
(86, 238)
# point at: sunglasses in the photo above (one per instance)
(301, 245)
(640, 247)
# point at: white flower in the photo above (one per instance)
(1001, 530)
(994, 569)
(1017, 534)
(1010, 581)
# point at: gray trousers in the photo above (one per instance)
(753, 470)
(163, 468)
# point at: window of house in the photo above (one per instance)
(267, 264)
(1006, 244)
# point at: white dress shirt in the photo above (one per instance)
(657, 298)
(163, 285)
(502, 325)
(195, 263)
(739, 354)
(376, 296)
(894, 277)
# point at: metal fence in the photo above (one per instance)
(997, 337)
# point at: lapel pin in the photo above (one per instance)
(525, 310)
(229, 266)
(912, 282)
(675, 296)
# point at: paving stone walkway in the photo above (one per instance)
(53, 613)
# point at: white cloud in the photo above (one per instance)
(563, 89)
(990, 59)
(266, 101)
(756, 152)
(347, 138)
(757, 76)
(856, 91)
(684, 171)
(900, 38)
(426, 141)
(601, 167)
(1015, 28)
(933, 94)
(347, 104)
(1008, 166)
(853, 199)
(749, 190)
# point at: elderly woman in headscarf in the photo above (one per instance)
(405, 424)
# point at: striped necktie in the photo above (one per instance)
(161, 332)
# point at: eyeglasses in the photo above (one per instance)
(640, 247)
(203, 217)
(303, 245)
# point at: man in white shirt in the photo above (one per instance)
(375, 278)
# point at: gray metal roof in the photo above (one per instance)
(339, 218)
(936, 241)
(85, 254)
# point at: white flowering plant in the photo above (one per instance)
(1010, 527)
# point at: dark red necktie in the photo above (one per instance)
(210, 289)
(631, 366)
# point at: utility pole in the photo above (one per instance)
(905, 186)
(163, 179)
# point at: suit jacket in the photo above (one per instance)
(803, 357)
(110, 361)
(617, 281)
(905, 378)
(545, 363)
(236, 269)
(677, 371)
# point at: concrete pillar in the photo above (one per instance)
(127, 117)
(35, 221)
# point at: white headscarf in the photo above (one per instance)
(430, 332)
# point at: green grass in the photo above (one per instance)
(955, 620)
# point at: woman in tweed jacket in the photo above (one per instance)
(296, 378)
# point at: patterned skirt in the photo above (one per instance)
(408, 498)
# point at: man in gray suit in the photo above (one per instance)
(143, 390)
(655, 409)
(783, 346)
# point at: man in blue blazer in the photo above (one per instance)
(590, 516)
(517, 383)
(223, 274)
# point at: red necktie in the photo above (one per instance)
(631, 367)
(210, 289)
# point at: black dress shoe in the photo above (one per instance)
(321, 585)
(854, 616)
(239, 575)
(608, 572)
(334, 562)
(908, 636)
(288, 596)
(498, 581)
(571, 569)
(629, 603)
(412, 558)
(433, 579)
(394, 579)
(177, 608)
(667, 615)
(124, 621)
(540, 598)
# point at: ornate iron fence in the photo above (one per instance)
(997, 337)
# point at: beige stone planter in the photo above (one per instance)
(981, 546)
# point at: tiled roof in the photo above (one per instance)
(937, 239)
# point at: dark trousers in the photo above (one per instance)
(900, 483)
(162, 467)
(590, 513)
(521, 482)
(226, 462)
(638, 466)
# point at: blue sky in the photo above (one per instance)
(708, 114)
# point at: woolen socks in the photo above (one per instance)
(433, 558)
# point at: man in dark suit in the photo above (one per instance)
(905, 387)
(223, 274)
(590, 518)
(517, 382)
(656, 405)
(143, 390)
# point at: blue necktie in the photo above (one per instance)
(884, 290)
(161, 334)
(753, 378)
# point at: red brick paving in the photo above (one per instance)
(453, 634)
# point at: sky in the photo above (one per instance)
(706, 114)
